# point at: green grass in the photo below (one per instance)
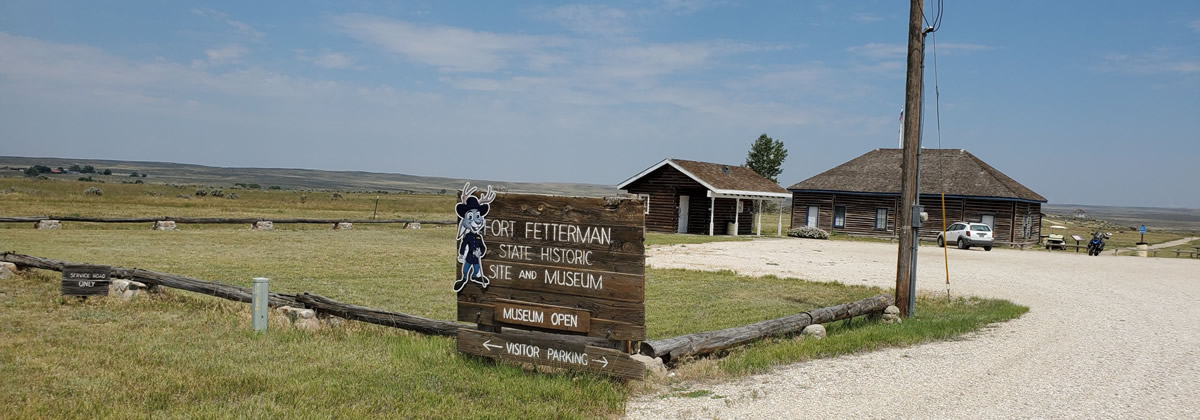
(657, 239)
(186, 355)
(935, 319)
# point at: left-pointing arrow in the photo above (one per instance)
(489, 347)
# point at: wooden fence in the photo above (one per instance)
(213, 220)
(669, 349)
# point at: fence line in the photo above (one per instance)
(213, 220)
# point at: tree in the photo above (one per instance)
(108, 171)
(133, 174)
(76, 168)
(88, 169)
(766, 157)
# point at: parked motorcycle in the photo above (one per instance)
(1096, 245)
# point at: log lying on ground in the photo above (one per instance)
(241, 294)
(215, 220)
(675, 348)
(378, 316)
(422, 325)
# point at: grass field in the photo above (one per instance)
(186, 355)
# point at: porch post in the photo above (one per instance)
(737, 217)
(758, 215)
(712, 208)
(780, 233)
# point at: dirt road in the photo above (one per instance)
(1106, 337)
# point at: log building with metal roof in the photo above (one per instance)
(687, 196)
(861, 197)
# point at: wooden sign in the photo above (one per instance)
(574, 253)
(85, 280)
(561, 265)
(549, 353)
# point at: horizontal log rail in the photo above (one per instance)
(318, 303)
(215, 220)
(676, 348)
(224, 291)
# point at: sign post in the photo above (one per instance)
(85, 280)
(552, 264)
(1142, 229)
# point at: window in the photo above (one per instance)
(839, 216)
(989, 220)
(1026, 226)
(645, 202)
(881, 221)
(813, 212)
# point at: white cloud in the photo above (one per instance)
(1195, 24)
(226, 54)
(239, 26)
(591, 19)
(684, 7)
(1156, 61)
(866, 18)
(880, 50)
(327, 59)
(446, 47)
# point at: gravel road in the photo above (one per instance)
(1105, 337)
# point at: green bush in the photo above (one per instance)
(808, 232)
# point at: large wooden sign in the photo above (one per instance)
(566, 265)
(85, 280)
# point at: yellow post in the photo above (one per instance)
(945, 252)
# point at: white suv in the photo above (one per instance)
(967, 235)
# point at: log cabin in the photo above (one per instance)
(862, 197)
(687, 196)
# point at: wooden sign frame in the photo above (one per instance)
(553, 264)
(85, 280)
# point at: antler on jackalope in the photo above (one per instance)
(469, 191)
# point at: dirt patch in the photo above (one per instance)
(1106, 336)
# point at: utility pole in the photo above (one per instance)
(910, 168)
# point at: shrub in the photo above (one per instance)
(201, 193)
(337, 196)
(133, 174)
(232, 196)
(85, 178)
(93, 191)
(217, 193)
(275, 187)
(108, 171)
(183, 196)
(808, 232)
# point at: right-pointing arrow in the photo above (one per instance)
(603, 361)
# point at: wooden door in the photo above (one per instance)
(684, 202)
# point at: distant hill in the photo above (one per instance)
(180, 173)
(1177, 219)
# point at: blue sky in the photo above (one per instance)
(1084, 102)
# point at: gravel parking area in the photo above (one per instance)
(1105, 337)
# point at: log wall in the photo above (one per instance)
(860, 214)
(666, 184)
